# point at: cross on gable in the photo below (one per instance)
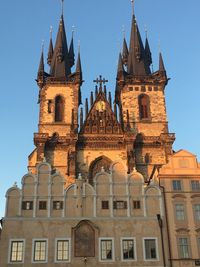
(100, 81)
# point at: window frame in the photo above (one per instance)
(25, 204)
(120, 205)
(10, 250)
(174, 184)
(134, 248)
(156, 246)
(105, 204)
(56, 250)
(137, 204)
(112, 249)
(40, 205)
(184, 212)
(33, 250)
(196, 211)
(193, 189)
(59, 207)
(179, 246)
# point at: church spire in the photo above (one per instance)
(148, 53)
(120, 69)
(161, 63)
(50, 52)
(40, 74)
(78, 65)
(125, 52)
(137, 65)
(60, 66)
(71, 51)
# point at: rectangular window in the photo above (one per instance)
(136, 205)
(150, 249)
(62, 250)
(128, 252)
(40, 251)
(106, 249)
(196, 209)
(105, 205)
(57, 205)
(195, 185)
(180, 212)
(183, 248)
(42, 205)
(176, 185)
(120, 205)
(27, 205)
(17, 251)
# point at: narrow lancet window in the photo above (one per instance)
(144, 107)
(59, 109)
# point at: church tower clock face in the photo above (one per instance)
(100, 106)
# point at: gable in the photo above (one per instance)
(101, 119)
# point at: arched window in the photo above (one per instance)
(59, 108)
(96, 166)
(144, 108)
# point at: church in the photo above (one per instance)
(104, 186)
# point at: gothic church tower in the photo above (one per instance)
(59, 99)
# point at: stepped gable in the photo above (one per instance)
(101, 119)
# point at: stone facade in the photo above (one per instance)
(119, 208)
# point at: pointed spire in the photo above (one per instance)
(161, 63)
(41, 65)
(105, 91)
(71, 52)
(86, 107)
(136, 60)
(60, 67)
(78, 65)
(50, 52)
(125, 52)
(148, 53)
(120, 69)
(91, 99)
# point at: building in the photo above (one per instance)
(180, 178)
(93, 194)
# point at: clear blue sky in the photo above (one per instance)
(98, 23)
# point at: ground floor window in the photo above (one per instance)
(40, 251)
(183, 247)
(17, 251)
(106, 249)
(128, 249)
(62, 250)
(150, 249)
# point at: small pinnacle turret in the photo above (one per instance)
(120, 69)
(161, 63)
(50, 52)
(148, 53)
(125, 52)
(79, 67)
(71, 53)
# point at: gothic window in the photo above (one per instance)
(59, 109)
(144, 108)
(97, 165)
